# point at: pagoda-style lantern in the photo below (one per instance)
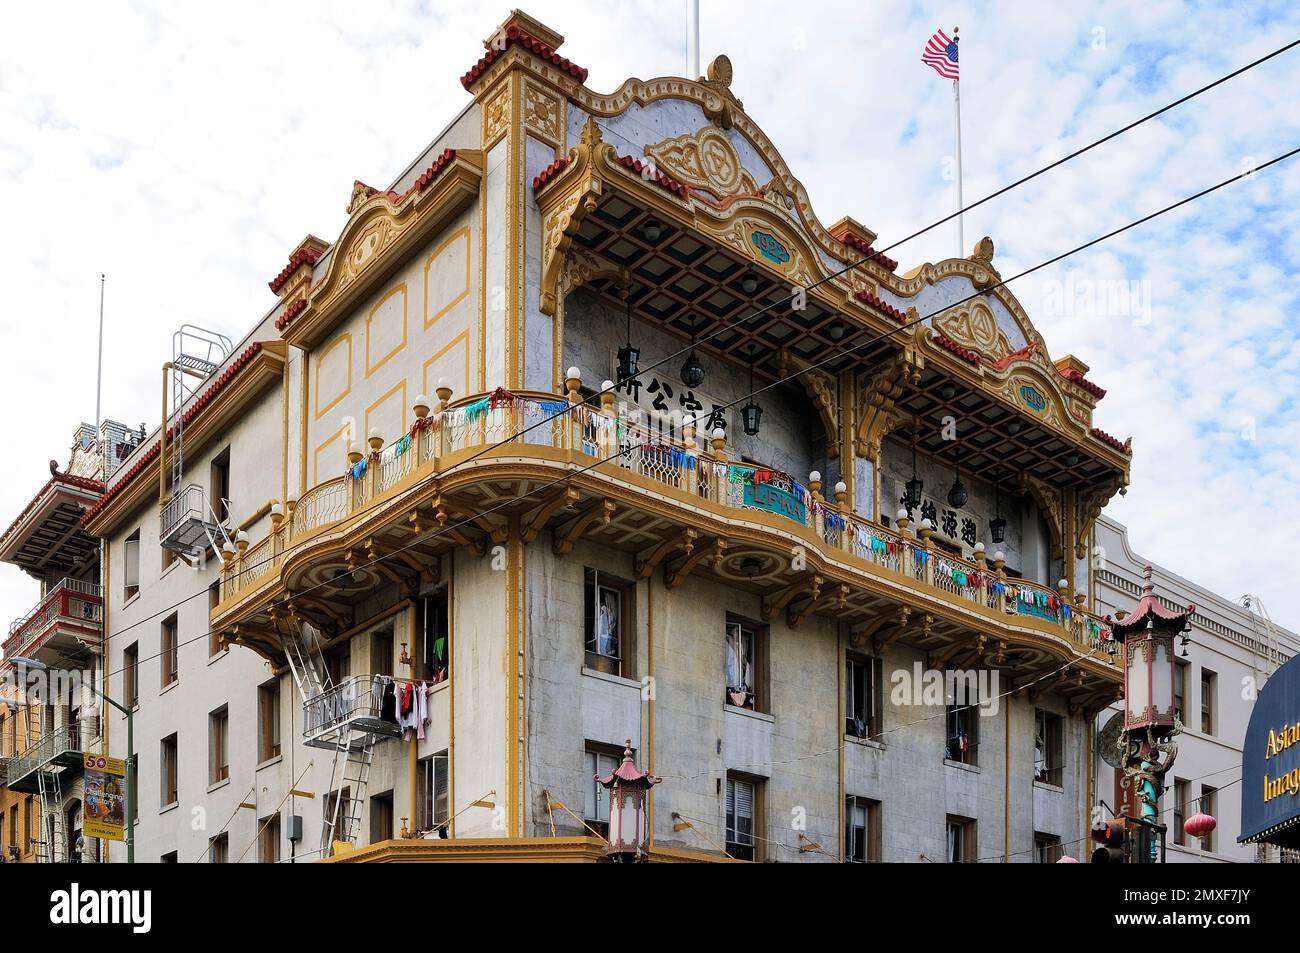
(751, 414)
(1148, 634)
(629, 830)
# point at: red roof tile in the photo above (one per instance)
(291, 312)
(303, 256)
(67, 479)
(513, 36)
(965, 353)
(1124, 446)
(1089, 386)
(666, 182)
(550, 172)
(237, 365)
(858, 245)
(866, 297)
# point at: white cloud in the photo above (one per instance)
(184, 150)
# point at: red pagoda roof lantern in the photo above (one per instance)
(628, 828)
(1148, 634)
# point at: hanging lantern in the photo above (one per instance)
(751, 414)
(1147, 634)
(1199, 825)
(957, 495)
(912, 489)
(629, 355)
(692, 370)
(1067, 859)
(628, 820)
(997, 525)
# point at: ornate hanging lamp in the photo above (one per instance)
(912, 489)
(997, 525)
(957, 495)
(629, 355)
(692, 370)
(629, 831)
(751, 413)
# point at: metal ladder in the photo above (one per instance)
(300, 641)
(351, 772)
(196, 352)
(50, 849)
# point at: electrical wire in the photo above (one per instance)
(510, 501)
(849, 267)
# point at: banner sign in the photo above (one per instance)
(104, 807)
(765, 496)
(1270, 762)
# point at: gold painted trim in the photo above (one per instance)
(462, 338)
(460, 233)
(399, 288)
(320, 359)
(380, 401)
(315, 460)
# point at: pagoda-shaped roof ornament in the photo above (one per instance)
(627, 772)
(1150, 609)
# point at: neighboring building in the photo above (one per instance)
(46, 731)
(740, 607)
(1229, 653)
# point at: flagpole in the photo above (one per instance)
(956, 120)
(99, 371)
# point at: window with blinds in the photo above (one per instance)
(742, 797)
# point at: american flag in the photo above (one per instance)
(941, 53)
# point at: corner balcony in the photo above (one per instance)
(59, 750)
(454, 479)
(68, 621)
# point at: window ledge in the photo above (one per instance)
(169, 686)
(865, 742)
(270, 761)
(167, 808)
(756, 715)
(1050, 787)
(218, 656)
(218, 785)
(130, 599)
(973, 768)
(612, 679)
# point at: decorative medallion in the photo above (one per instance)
(704, 159)
(770, 248)
(1032, 398)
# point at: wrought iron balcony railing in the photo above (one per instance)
(356, 703)
(62, 746)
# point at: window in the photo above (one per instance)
(381, 653)
(338, 662)
(381, 818)
(608, 621)
(1208, 805)
(963, 732)
(862, 696)
(219, 745)
(131, 566)
(603, 760)
(169, 652)
(268, 721)
(961, 840)
(268, 839)
(746, 665)
(431, 793)
(1047, 848)
(1049, 747)
(29, 835)
(168, 772)
(215, 646)
(435, 636)
(220, 485)
(219, 849)
(861, 831)
(1208, 683)
(743, 812)
(1180, 811)
(338, 808)
(1180, 689)
(131, 675)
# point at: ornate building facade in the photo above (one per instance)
(403, 564)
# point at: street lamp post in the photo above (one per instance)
(628, 786)
(1151, 721)
(36, 665)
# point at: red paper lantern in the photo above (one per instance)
(1198, 825)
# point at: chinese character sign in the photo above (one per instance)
(669, 402)
(104, 808)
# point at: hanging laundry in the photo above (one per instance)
(475, 410)
(403, 444)
(359, 470)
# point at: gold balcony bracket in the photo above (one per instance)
(675, 575)
(564, 499)
(571, 532)
(648, 560)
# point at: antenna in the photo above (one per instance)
(99, 372)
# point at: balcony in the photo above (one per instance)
(670, 501)
(59, 750)
(67, 621)
(187, 525)
(351, 706)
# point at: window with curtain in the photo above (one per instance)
(741, 798)
(740, 664)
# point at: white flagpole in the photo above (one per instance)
(956, 119)
(692, 39)
(99, 372)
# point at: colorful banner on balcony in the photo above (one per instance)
(773, 499)
(104, 801)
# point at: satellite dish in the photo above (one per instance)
(1108, 740)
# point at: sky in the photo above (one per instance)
(184, 149)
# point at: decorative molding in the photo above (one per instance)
(704, 159)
